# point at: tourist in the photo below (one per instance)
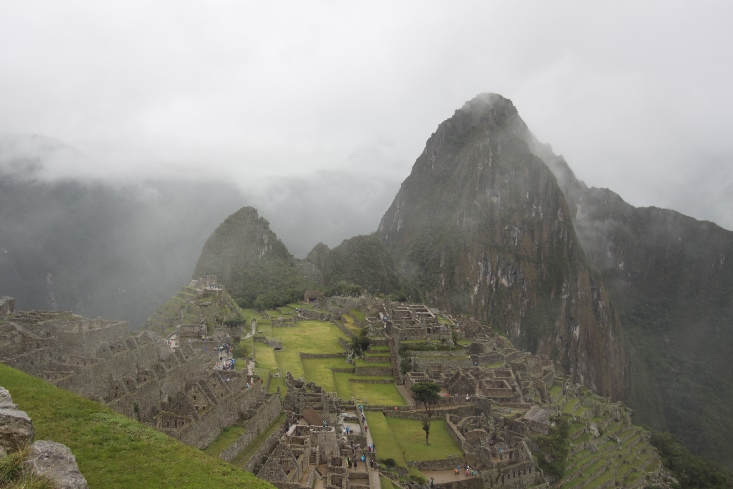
(432, 482)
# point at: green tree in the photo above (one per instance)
(427, 394)
(554, 448)
(360, 343)
(233, 322)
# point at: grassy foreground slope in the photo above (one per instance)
(115, 451)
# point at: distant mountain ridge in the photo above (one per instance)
(671, 279)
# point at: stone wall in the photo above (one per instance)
(370, 381)
(343, 328)
(267, 446)
(471, 483)
(321, 355)
(451, 362)
(266, 414)
(200, 434)
(376, 371)
(84, 336)
(443, 464)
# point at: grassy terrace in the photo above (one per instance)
(393, 436)
(319, 371)
(115, 451)
(320, 337)
(386, 483)
(245, 455)
(570, 406)
(348, 321)
(228, 436)
(361, 363)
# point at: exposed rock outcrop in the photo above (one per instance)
(481, 227)
(56, 462)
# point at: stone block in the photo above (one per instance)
(16, 429)
(56, 462)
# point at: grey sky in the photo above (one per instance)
(291, 100)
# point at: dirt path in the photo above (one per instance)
(441, 476)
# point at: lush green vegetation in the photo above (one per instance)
(361, 261)
(361, 342)
(409, 433)
(386, 483)
(115, 451)
(344, 289)
(319, 370)
(228, 436)
(357, 314)
(377, 394)
(554, 448)
(252, 263)
(691, 471)
(427, 395)
(384, 440)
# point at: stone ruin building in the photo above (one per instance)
(414, 322)
(314, 446)
(495, 397)
(175, 390)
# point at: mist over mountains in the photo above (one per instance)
(118, 248)
(637, 303)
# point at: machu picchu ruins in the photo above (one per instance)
(497, 407)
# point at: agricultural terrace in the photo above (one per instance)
(317, 337)
(395, 436)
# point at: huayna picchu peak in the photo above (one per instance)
(482, 228)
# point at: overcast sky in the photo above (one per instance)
(328, 104)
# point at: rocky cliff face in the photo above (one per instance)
(671, 279)
(481, 227)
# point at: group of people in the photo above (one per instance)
(229, 363)
(355, 461)
(469, 471)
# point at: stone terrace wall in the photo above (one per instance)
(376, 371)
(266, 414)
(343, 328)
(86, 336)
(227, 412)
(452, 362)
(472, 483)
(443, 464)
(268, 445)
